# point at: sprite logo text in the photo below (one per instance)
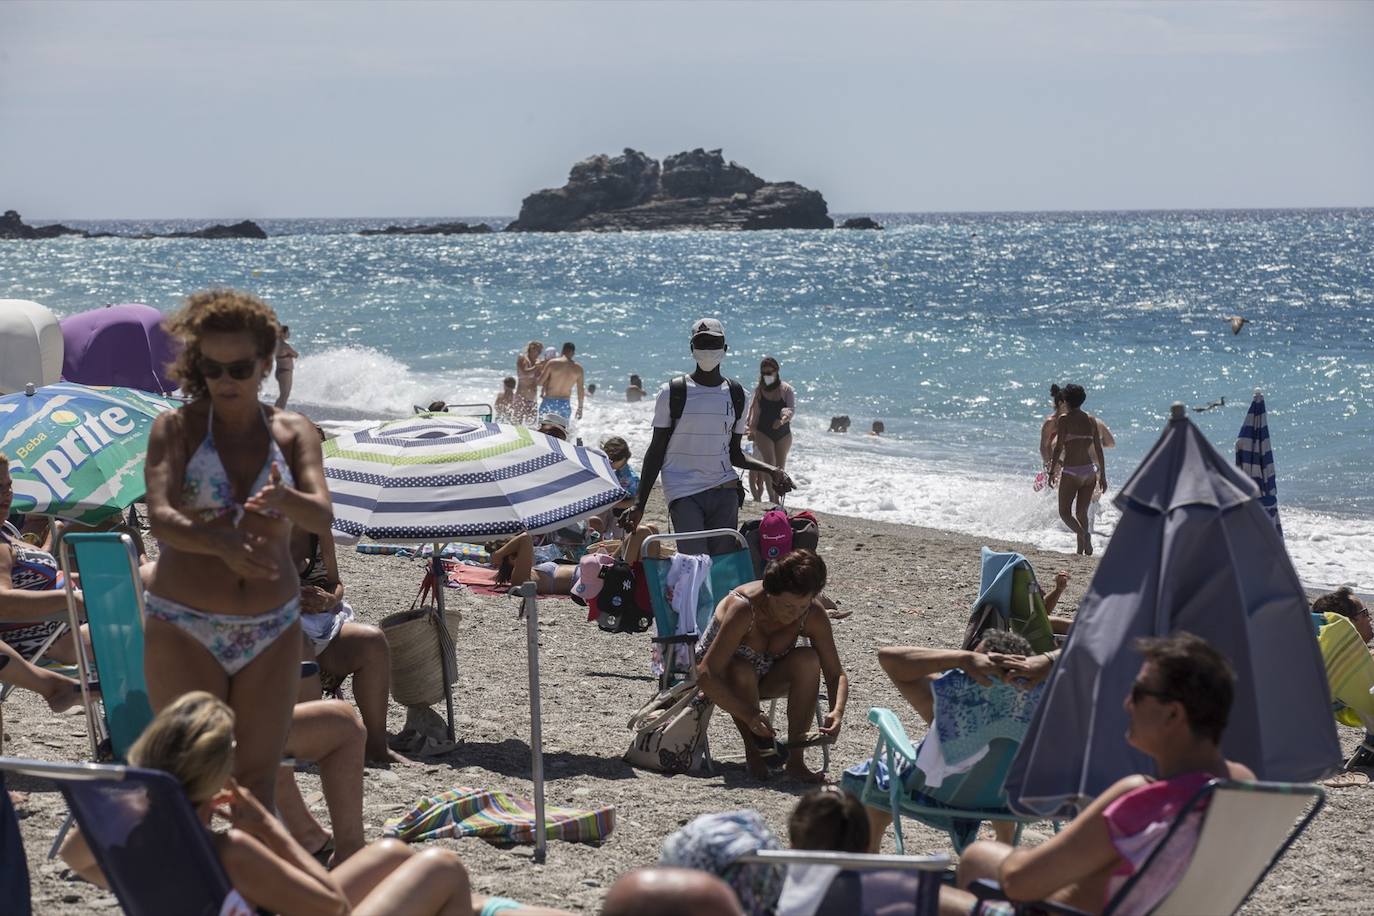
(84, 440)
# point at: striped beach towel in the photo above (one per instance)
(1349, 670)
(462, 812)
(1255, 458)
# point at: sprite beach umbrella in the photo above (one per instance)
(75, 451)
(434, 478)
(1194, 550)
(1256, 460)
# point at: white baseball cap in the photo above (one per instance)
(710, 326)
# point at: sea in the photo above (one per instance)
(948, 328)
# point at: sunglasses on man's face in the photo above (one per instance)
(238, 370)
(1140, 691)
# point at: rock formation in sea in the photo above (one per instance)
(691, 190)
(860, 222)
(14, 227)
(435, 229)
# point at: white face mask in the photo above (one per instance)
(769, 378)
(708, 359)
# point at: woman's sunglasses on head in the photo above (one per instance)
(238, 370)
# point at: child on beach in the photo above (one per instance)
(505, 405)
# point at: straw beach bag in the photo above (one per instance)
(423, 656)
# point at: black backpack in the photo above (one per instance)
(677, 400)
(617, 609)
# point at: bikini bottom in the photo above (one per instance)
(233, 641)
(1080, 472)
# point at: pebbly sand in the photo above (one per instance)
(904, 585)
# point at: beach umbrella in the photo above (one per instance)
(30, 345)
(77, 451)
(435, 478)
(1256, 460)
(119, 345)
(1194, 550)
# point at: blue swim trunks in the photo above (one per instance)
(560, 406)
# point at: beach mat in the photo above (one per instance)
(462, 812)
(480, 580)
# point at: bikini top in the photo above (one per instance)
(206, 491)
(749, 652)
(31, 568)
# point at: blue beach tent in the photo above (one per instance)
(1195, 550)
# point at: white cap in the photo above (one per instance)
(710, 326)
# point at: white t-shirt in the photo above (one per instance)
(698, 455)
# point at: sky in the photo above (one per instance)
(256, 109)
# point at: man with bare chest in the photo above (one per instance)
(556, 383)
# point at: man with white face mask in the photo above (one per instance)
(699, 421)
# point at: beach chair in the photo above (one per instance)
(862, 884)
(113, 595)
(1009, 598)
(40, 659)
(142, 831)
(958, 805)
(728, 571)
(1246, 829)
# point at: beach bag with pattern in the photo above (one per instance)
(670, 730)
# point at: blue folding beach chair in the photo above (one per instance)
(154, 852)
(958, 806)
(113, 596)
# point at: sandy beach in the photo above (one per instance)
(904, 585)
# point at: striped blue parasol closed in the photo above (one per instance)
(441, 477)
(1255, 458)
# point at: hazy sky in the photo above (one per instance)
(385, 109)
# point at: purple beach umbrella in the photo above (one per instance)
(121, 345)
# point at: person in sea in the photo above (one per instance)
(1178, 707)
(635, 392)
(557, 380)
(878, 428)
(749, 652)
(528, 365)
(505, 406)
(698, 452)
(770, 419)
(286, 367)
(1078, 463)
(227, 479)
(1047, 442)
(31, 591)
(193, 740)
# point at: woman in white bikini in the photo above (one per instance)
(1077, 445)
(227, 479)
(749, 651)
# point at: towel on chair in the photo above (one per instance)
(1349, 671)
(968, 715)
(462, 812)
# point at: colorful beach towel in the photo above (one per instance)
(480, 580)
(456, 550)
(462, 812)
(969, 715)
(1349, 670)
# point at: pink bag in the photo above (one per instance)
(775, 536)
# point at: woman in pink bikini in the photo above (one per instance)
(227, 479)
(1079, 463)
(1178, 709)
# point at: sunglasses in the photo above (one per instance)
(1140, 691)
(238, 370)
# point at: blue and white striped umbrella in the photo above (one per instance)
(1256, 460)
(441, 477)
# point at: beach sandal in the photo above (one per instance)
(811, 739)
(325, 852)
(772, 751)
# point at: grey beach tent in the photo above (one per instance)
(1195, 550)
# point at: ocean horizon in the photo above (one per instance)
(948, 327)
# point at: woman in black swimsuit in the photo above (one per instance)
(749, 651)
(770, 419)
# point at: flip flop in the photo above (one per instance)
(811, 739)
(772, 751)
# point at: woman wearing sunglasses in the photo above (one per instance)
(1178, 708)
(227, 479)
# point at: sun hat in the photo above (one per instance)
(711, 326)
(555, 420)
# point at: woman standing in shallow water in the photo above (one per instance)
(1077, 445)
(770, 418)
(227, 479)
